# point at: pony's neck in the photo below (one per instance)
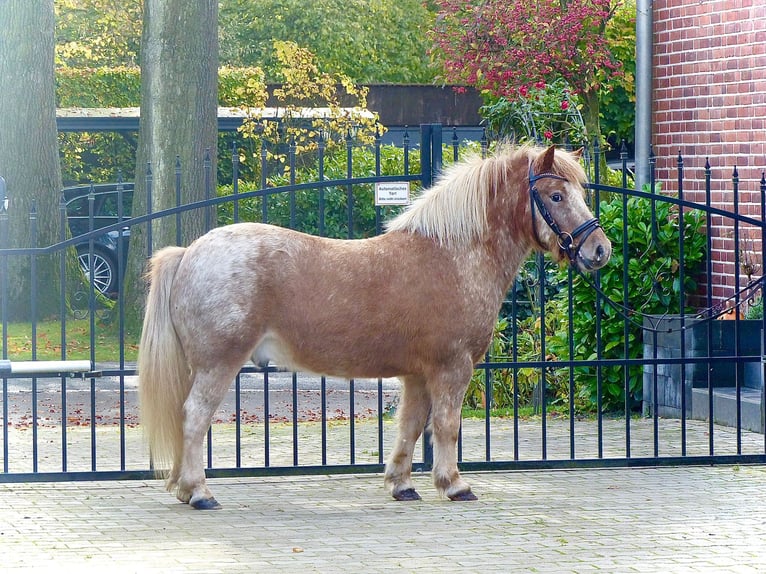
(510, 236)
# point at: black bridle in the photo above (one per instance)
(567, 243)
(566, 240)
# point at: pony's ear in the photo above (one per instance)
(577, 154)
(544, 162)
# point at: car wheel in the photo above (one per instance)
(104, 269)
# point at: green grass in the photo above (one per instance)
(525, 412)
(48, 342)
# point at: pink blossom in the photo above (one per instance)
(548, 134)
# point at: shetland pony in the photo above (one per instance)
(418, 302)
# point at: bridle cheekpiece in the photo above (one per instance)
(565, 239)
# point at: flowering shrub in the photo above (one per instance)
(543, 114)
(505, 48)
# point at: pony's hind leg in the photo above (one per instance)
(445, 424)
(207, 392)
(414, 406)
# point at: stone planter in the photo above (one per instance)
(723, 376)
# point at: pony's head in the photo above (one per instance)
(562, 223)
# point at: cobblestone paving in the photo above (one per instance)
(689, 519)
(22, 452)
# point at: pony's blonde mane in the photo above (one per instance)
(454, 209)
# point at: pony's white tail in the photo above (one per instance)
(163, 372)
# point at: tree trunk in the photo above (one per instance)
(591, 118)
(29, 160)
(179, 104)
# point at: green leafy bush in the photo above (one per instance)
(653, 287)
(305, 216)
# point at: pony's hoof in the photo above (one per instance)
(206, 504)
(406, 495)
(465, 496)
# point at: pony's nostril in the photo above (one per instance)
(599, 252)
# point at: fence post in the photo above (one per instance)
(436, 150)
(426, 171)
(430, 158)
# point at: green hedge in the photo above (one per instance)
(121, 87)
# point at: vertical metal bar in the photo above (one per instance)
(406, 150)
(178, 200)
(349, 187)
(653, 190)
(488, 394)
(763, 315)
(709, 301)
(543, 379)
(208, 167)
(455, 145)
(92, 325)
(323, 411)
(210, 447)
(625, 298)
(33, 319)
(737, 378)
(238, 420)
(380, 421)
(266, 427)
(121, 315)
(682, 299)
(352, 420)
(570, 341)
(378, 217)
(291, 157)
(321, 149)
(655, 381)
(597, 161)
(62, 333)
(599, 345)
(235, 180)
(515, 370)
(149, 210)
(436, 149)
(295, 419)
(264, 196)
(426, 170)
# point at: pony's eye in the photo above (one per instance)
(556, 197)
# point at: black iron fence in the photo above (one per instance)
(619, 369)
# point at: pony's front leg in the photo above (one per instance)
(207, 392)
(445, 424)
(413, 413)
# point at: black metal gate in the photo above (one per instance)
(571, 379)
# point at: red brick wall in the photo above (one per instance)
(710, 104)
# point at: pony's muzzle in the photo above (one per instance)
(595, 252)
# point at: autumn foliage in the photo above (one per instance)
(505, 48)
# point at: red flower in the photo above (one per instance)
(564, 105)
(523, 91)
(548, 134)
(540, 85)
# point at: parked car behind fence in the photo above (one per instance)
(104, 259)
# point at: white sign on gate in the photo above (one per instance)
(392, 193)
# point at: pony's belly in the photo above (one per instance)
(272, 349)
(343, 361)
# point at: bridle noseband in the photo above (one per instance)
(566, 240)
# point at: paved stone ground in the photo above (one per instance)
(22, 452)
(618, 520)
